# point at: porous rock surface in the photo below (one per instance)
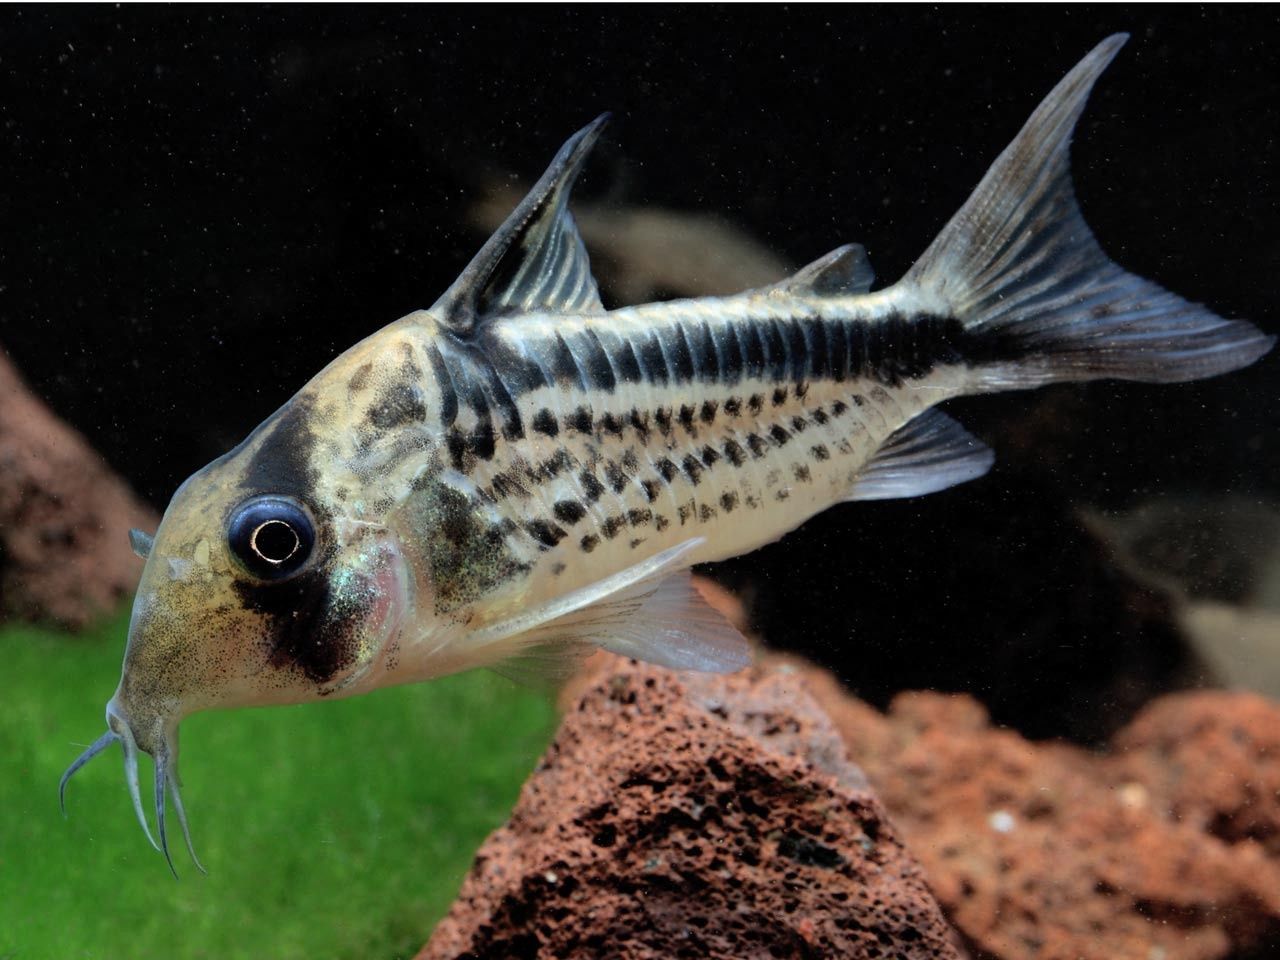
(64, 517)
(680, 815)
(1165, 848)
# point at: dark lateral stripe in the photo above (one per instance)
(775, 358)
(653, 362)
(595, 358)
(751, 337)
(490, 371)
(680, 355)
(625, 361)
(470, 379)
(706, 357)
(444, 381)
(564, 365)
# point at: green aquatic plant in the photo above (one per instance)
(332, 829)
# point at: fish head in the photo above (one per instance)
(259, 587)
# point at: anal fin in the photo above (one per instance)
(932, 452)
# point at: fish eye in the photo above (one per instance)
(271, 536)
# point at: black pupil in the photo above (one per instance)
(271, 536)
(274, 541)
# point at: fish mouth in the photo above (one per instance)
(161, 743)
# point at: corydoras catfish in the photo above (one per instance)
(518, 476)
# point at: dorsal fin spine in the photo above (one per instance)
(534, 261)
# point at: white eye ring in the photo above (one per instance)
(257, 531)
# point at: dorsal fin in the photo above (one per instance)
(536, 259)
(845, 270)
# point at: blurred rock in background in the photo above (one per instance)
(64, 517)
(1217, 560)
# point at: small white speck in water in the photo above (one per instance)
(1002, 821)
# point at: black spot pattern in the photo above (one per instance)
(610, 423)
(579, 420)
(640, 422)
(554, 465)
(468, 555)
(360, 379)
(544, 421)
(616, 476)
(545, 533)
(592, 488)
(569, 511)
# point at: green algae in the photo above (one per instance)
(329, 830)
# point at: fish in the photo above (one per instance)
(517, 476)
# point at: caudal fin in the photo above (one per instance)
(1040, 300)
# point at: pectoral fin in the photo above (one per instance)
(650, 611)
(140, 542)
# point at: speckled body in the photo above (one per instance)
(517, 476)
(592, 443)
(564, 449)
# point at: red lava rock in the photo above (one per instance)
(1210, 759)
(694, 816)
(64, 517)
(1164, 850)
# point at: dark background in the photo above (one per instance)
(202, 206)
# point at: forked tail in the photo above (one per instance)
(1039, 300)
